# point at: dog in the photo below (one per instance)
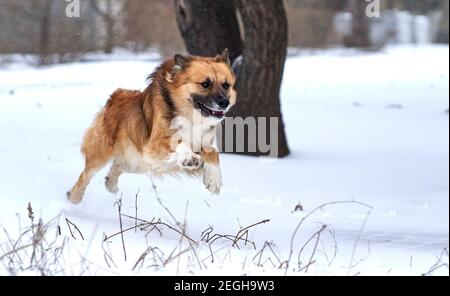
(151, 131)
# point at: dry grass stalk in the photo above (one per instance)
(302, 221)
(119, 206)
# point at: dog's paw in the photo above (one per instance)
(212, 178)
(186, 159)
(111, 186)
(75, 196)
(191, 161)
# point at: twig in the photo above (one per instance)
(144, 224)
(46, 256)
(31, 217)
(119, 206)
(30, 212)
(15, 251)
(231, 238)
(155, 190)
(315, 236)
(313, 253)
(294, 235)
(369, 252)
(136, 210)
(107, 255)
(245, 230)
(363, 226)
(332, 234)
(149, 224)
(242, 235)
(267, 245)
(439, 264)
(307, 266)
(153, 228)
(205, 236)
(69, 223)
(150, 250)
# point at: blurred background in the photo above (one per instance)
(41, 27)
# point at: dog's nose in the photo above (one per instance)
(222, 101)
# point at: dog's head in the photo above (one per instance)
(204, 85)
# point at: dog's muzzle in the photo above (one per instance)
(212, 106)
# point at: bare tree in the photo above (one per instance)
(442, 36)
(361, 26)
(311, 22)
(42, 28)
(110, 12)
(45, 24)
(151, 23)
(40, 13)
(260, 37)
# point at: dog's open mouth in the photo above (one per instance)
(210, 112)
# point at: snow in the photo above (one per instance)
(368, 127)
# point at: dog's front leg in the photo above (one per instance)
(212, 176)
(186, 159)
(180, 156)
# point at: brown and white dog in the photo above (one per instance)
(152, 131)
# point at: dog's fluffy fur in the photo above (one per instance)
(135, 130)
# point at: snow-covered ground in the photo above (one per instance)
(364, 127)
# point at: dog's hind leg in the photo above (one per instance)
(98, 152)
(112, 179)
(92, 167)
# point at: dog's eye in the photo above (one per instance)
(207, 84)
(226, 85)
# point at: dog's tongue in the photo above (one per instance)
(218, 113)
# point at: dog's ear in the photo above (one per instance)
(180, 62)
(224, 57)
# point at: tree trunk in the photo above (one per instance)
(109, 19)
(265, 50)
(110, 22)
(360, 36)
(45, 31)
(110, 37)
(442, 36)
(209, 26)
